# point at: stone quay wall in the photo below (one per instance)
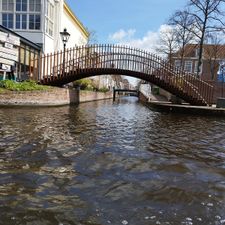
(87, 96)
(51, 97)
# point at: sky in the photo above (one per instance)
(133, 22)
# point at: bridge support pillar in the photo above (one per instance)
(114, 94)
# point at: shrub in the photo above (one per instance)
(84, 84)
(21, 86)
(104, 89)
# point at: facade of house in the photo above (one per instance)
(32, 27)
(213, 65)
(41, 22)
(213, 57)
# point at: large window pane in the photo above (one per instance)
(31, 7)
(10, 20)
(177, 64)
(24, 5)
(4, 19)
(35, 5)
(24, 21)
(31, 22)
(7, 5)
(38, 22)
(188, 66)
(17, 21)
(38, 6)
(21, 21)
(11, 5)
(49, 18)
(18, 5)
(21, 5)
(7, 20)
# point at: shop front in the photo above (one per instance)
(16, 53)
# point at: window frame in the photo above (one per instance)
(191, 66)
(7, 20)
(8, 2)
(21, 21)
(21, 3)
(49, 19)
(34, 22)
(177, 61)
(35, 5)
(17, 9)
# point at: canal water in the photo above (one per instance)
(103, 163)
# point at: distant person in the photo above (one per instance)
(12, 73)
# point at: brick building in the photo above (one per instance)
(213, 58)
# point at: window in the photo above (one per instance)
(35, 5)
(23, 14)
(7, 20)
(21, 21)
(21, 5)
(49, 18)
(7, 5)
(34, 22)
(49, 27)
(177, 64)
(188, 66)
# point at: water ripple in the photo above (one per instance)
(110, 163)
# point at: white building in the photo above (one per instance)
(41, 22)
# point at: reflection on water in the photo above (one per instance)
(110, 163)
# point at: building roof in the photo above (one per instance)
(217, 51)
(75, 19)
(22, 39)
(209, 51)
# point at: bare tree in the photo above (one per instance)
(168, 42)
(212, 53)
(208, 17)
(183, 23)
(92, 38)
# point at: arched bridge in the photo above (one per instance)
(85, 61)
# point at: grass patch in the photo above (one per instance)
(21, 86)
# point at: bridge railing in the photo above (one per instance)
(89, 58)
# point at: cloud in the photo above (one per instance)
(148, 42)
(121, 35)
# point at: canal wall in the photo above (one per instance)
(187, 109)
(146, 94)
(52, 97)
(88, 96)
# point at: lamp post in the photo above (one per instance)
(65, 37)
(222, 74)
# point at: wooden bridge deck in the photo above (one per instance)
(63, 67)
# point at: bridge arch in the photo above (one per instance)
(94, 60)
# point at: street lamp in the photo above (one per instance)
(65, 37)
(222, 74)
